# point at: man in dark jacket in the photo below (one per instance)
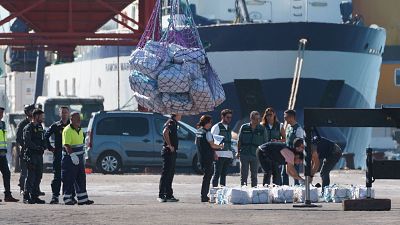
(35, 146)
(28, 109)
(56, 129)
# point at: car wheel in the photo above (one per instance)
(196, 165)
(109, 163)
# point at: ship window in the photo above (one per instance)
(397, 77)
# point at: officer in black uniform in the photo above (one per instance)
(56, 129)
(277, 152)
(35, 146)
(168, 153)
(206, 153)
(28, 109)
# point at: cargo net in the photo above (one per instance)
(171, 72)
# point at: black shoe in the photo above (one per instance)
(41, 193)
(54, 200)
(161, 199)
(74, 201)
(88, 202)
(206, 199)
(29, 201)
(10, 198)
(38, 201)
(172, 199)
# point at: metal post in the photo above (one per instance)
(118, 74)
(40, 66)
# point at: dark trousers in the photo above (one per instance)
(5, 171)
(167, 175)
(74, 175)
(34, 175)
(56, 183)
(328, 164)
(24, 172)
(285, 176)
(246, 162)
(220, 170)
(208, 170)
(270, 168)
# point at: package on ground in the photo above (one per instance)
(238, 195)
(337, 194)
(282, 194)
(181, 54)
(260, 195)
(300, 194)
(221, 196)
(213, 194)
(146, 62)
(360, 192)
(174, 79)
(177, 102)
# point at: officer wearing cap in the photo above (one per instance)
(28, 109)
(73, 168)
(35, 146)
(5, 171)
(56, 129)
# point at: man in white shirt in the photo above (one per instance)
(225, 155)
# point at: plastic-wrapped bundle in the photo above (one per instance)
(360, 192)
(181, 54)
(146, 91)
(338, 194)
(212, 194)
(282, 194)
(221, 196)
(238, 196)
(215, 85)
(260, 195)
(201, 95)
(146, 62)
(177, 103)
(300, 194)
(174, 79)
(195, 70)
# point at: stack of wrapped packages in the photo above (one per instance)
(338, 193)
(176, 81)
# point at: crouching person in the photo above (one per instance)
(72, 165)
(276, 152)
(206, 153)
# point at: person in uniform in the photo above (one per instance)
(168, 153)
(251, 135)
(28, 109)
(225, 155)
(73, 163)
(5, 171)
(276, 152)
(293, 131)
(56, 129)
(35, 146)
(206, 153)
(275, 133)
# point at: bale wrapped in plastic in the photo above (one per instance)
(174, 79)
(146, 62)
(212, 194)
(177, 102)
(181, 54)
(300, 194)
(282, 194)
(360, 192)
(195, 70)
(238, 195)
(146, 91)
(340, 193)
(215, 85)
(260, 195)
(221, 198)
(201, 95)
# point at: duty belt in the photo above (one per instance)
(77, 149)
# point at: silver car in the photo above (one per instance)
(122, 139)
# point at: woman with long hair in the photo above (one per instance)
(206, 153)
(276, 133)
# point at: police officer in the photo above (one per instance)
(276, 152)
(35, 146)
(251, 135)
(225, 155)
(325, 151)
(56, 129)
(276, 133)
(73, 164)
(168, 153)
(5, 171)
(293, 131)
(28, 109)
(206, 153)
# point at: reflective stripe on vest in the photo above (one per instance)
(78, 149)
